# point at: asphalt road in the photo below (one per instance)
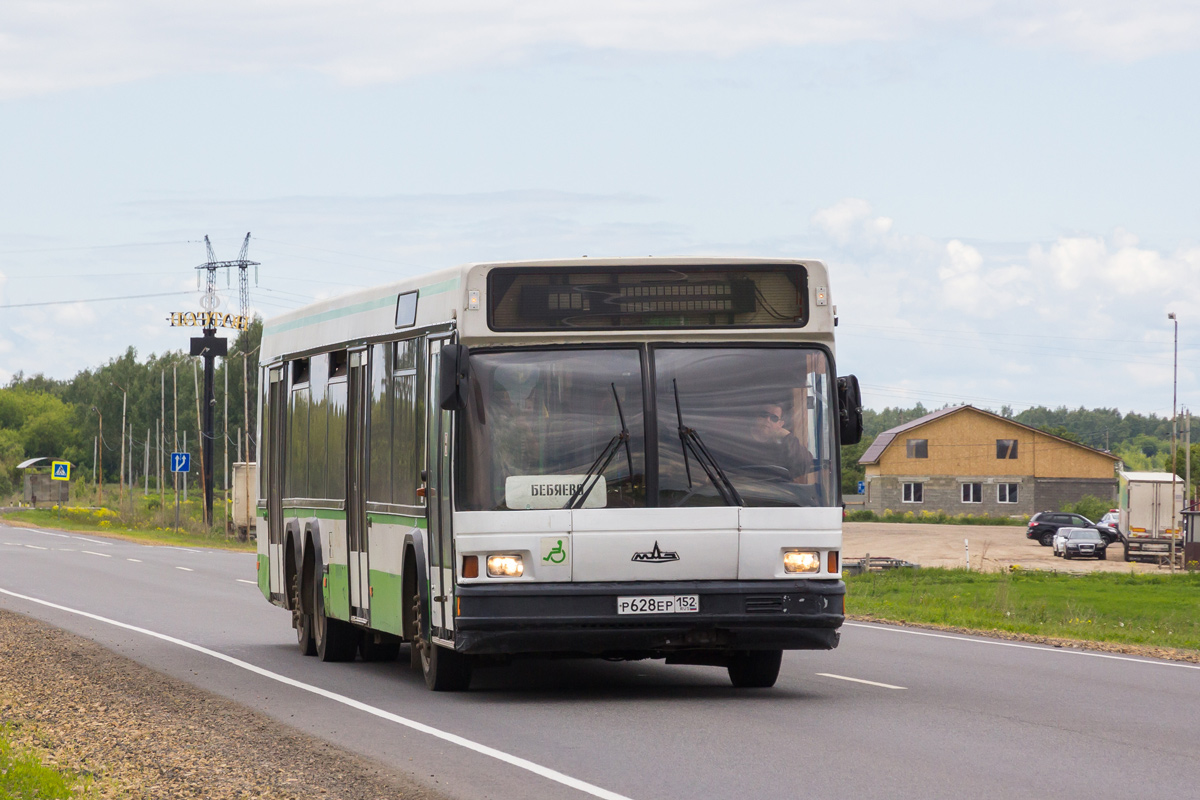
(893, 712)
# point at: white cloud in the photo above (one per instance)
(51, 45)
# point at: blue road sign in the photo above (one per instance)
(862, 487)
(181, 462)
(61, 471)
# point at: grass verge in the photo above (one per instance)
(98, 522)
(1114, 607)
(23, 775)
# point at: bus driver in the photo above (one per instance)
(779, 445)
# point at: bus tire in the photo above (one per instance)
(445, 670)
(755, 669)
(301, 619)
(336, 640)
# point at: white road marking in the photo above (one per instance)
(90, 553)
(92, 541)
(134, 560)
(35, 547)
(186, 569)
(66, 549)
(482, 749)
(45, 533)
(184, 549)
(859, 680)
(1042, 648)
(243, 580)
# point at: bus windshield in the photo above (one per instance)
(735, 426)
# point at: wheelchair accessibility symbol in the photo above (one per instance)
(553, 551)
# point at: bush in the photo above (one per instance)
(1089, 506)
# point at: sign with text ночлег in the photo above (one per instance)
(208, 319)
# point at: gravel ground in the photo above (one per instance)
(992, 547)
(144, 735)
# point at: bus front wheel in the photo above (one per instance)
(755, 669)
(445, 670)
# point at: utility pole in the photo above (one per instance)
(225, 439)
(100, 462)
(146, 467)
(1174, 438)
(175, 434)
(205, 446)
(1187, 444)
(121, 496)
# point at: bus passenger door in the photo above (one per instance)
(274, 423)
(438, 507)
(356, 517)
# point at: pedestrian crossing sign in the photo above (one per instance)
(60, 470)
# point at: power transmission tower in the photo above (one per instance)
(209, 346)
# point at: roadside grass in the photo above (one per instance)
(932, 517)
(1123, 608)
(105, 522)
(23, 775)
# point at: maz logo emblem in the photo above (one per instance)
(656, 556)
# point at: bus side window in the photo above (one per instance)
(407, 415)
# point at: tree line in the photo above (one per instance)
(79, 419)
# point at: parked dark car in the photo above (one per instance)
(1044, 524)
(1085, 543)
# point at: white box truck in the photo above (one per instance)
(245, 498)
(1146, 514)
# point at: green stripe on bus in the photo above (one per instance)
(395, 519)
(357, 308)
(264, 575)
(334, 313)
(337, 592)
(438, 288)
(261, 512)
(319, 513)
(387, 602)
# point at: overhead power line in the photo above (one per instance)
(92, 300)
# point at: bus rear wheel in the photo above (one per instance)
(445, 670)
(755, 669)
(301, 620)
(336, 640)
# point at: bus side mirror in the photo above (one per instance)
(454, 379)
(850, 410)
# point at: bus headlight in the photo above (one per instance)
(505, 566)
(801, 561)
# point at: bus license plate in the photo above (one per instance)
(665, 604)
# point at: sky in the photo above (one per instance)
(1006, 194)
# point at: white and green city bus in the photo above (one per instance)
(621, 458)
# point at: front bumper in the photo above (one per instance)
(582, 618)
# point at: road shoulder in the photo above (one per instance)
(142, 734)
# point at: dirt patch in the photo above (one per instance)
(142, 734)
(992, 548)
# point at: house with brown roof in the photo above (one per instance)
(964, 460)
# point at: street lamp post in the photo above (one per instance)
(1174, 431)
(100, 462)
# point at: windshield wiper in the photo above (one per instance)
(690, 440)
(602, 461)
